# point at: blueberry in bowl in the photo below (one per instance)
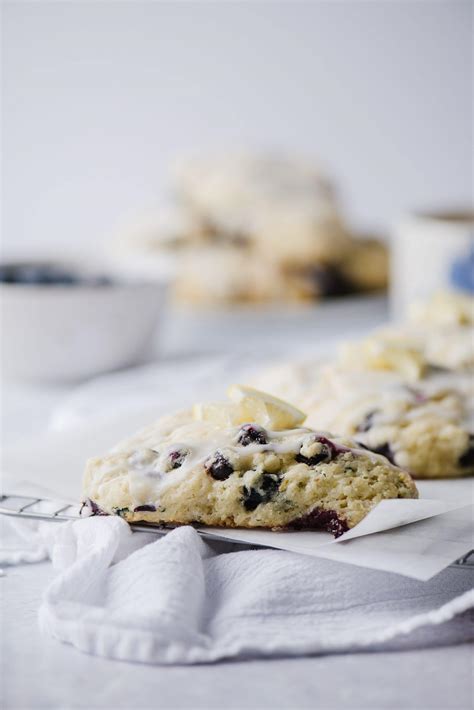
(48, 274)
(70, 320)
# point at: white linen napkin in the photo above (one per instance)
(179, 600)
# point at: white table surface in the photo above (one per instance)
(38, 672)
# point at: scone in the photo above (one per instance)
(212, 467)
(425, 426)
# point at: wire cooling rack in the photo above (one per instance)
(29, 507)
(50, 510)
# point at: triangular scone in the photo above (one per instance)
(181, 471)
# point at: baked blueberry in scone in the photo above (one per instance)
(248, 463)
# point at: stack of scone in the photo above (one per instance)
(251, 228)
(406, 392)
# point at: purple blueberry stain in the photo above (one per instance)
(177, 457)
(93, 507)
(144, 509)
(218, 467)
(318, 518)
(335, 448)
(329, 451)
(252, 434)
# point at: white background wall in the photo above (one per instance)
(100, 97)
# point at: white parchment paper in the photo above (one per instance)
(416, 538)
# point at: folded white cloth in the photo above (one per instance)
(21, 542)
(179, 600)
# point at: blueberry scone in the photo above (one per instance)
(421, 418)
(425, 426)
(249, 463)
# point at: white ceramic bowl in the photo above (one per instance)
(70, 332)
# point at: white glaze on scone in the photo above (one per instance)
(424, 426)
(274, 480)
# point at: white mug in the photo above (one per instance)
(431, 252)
